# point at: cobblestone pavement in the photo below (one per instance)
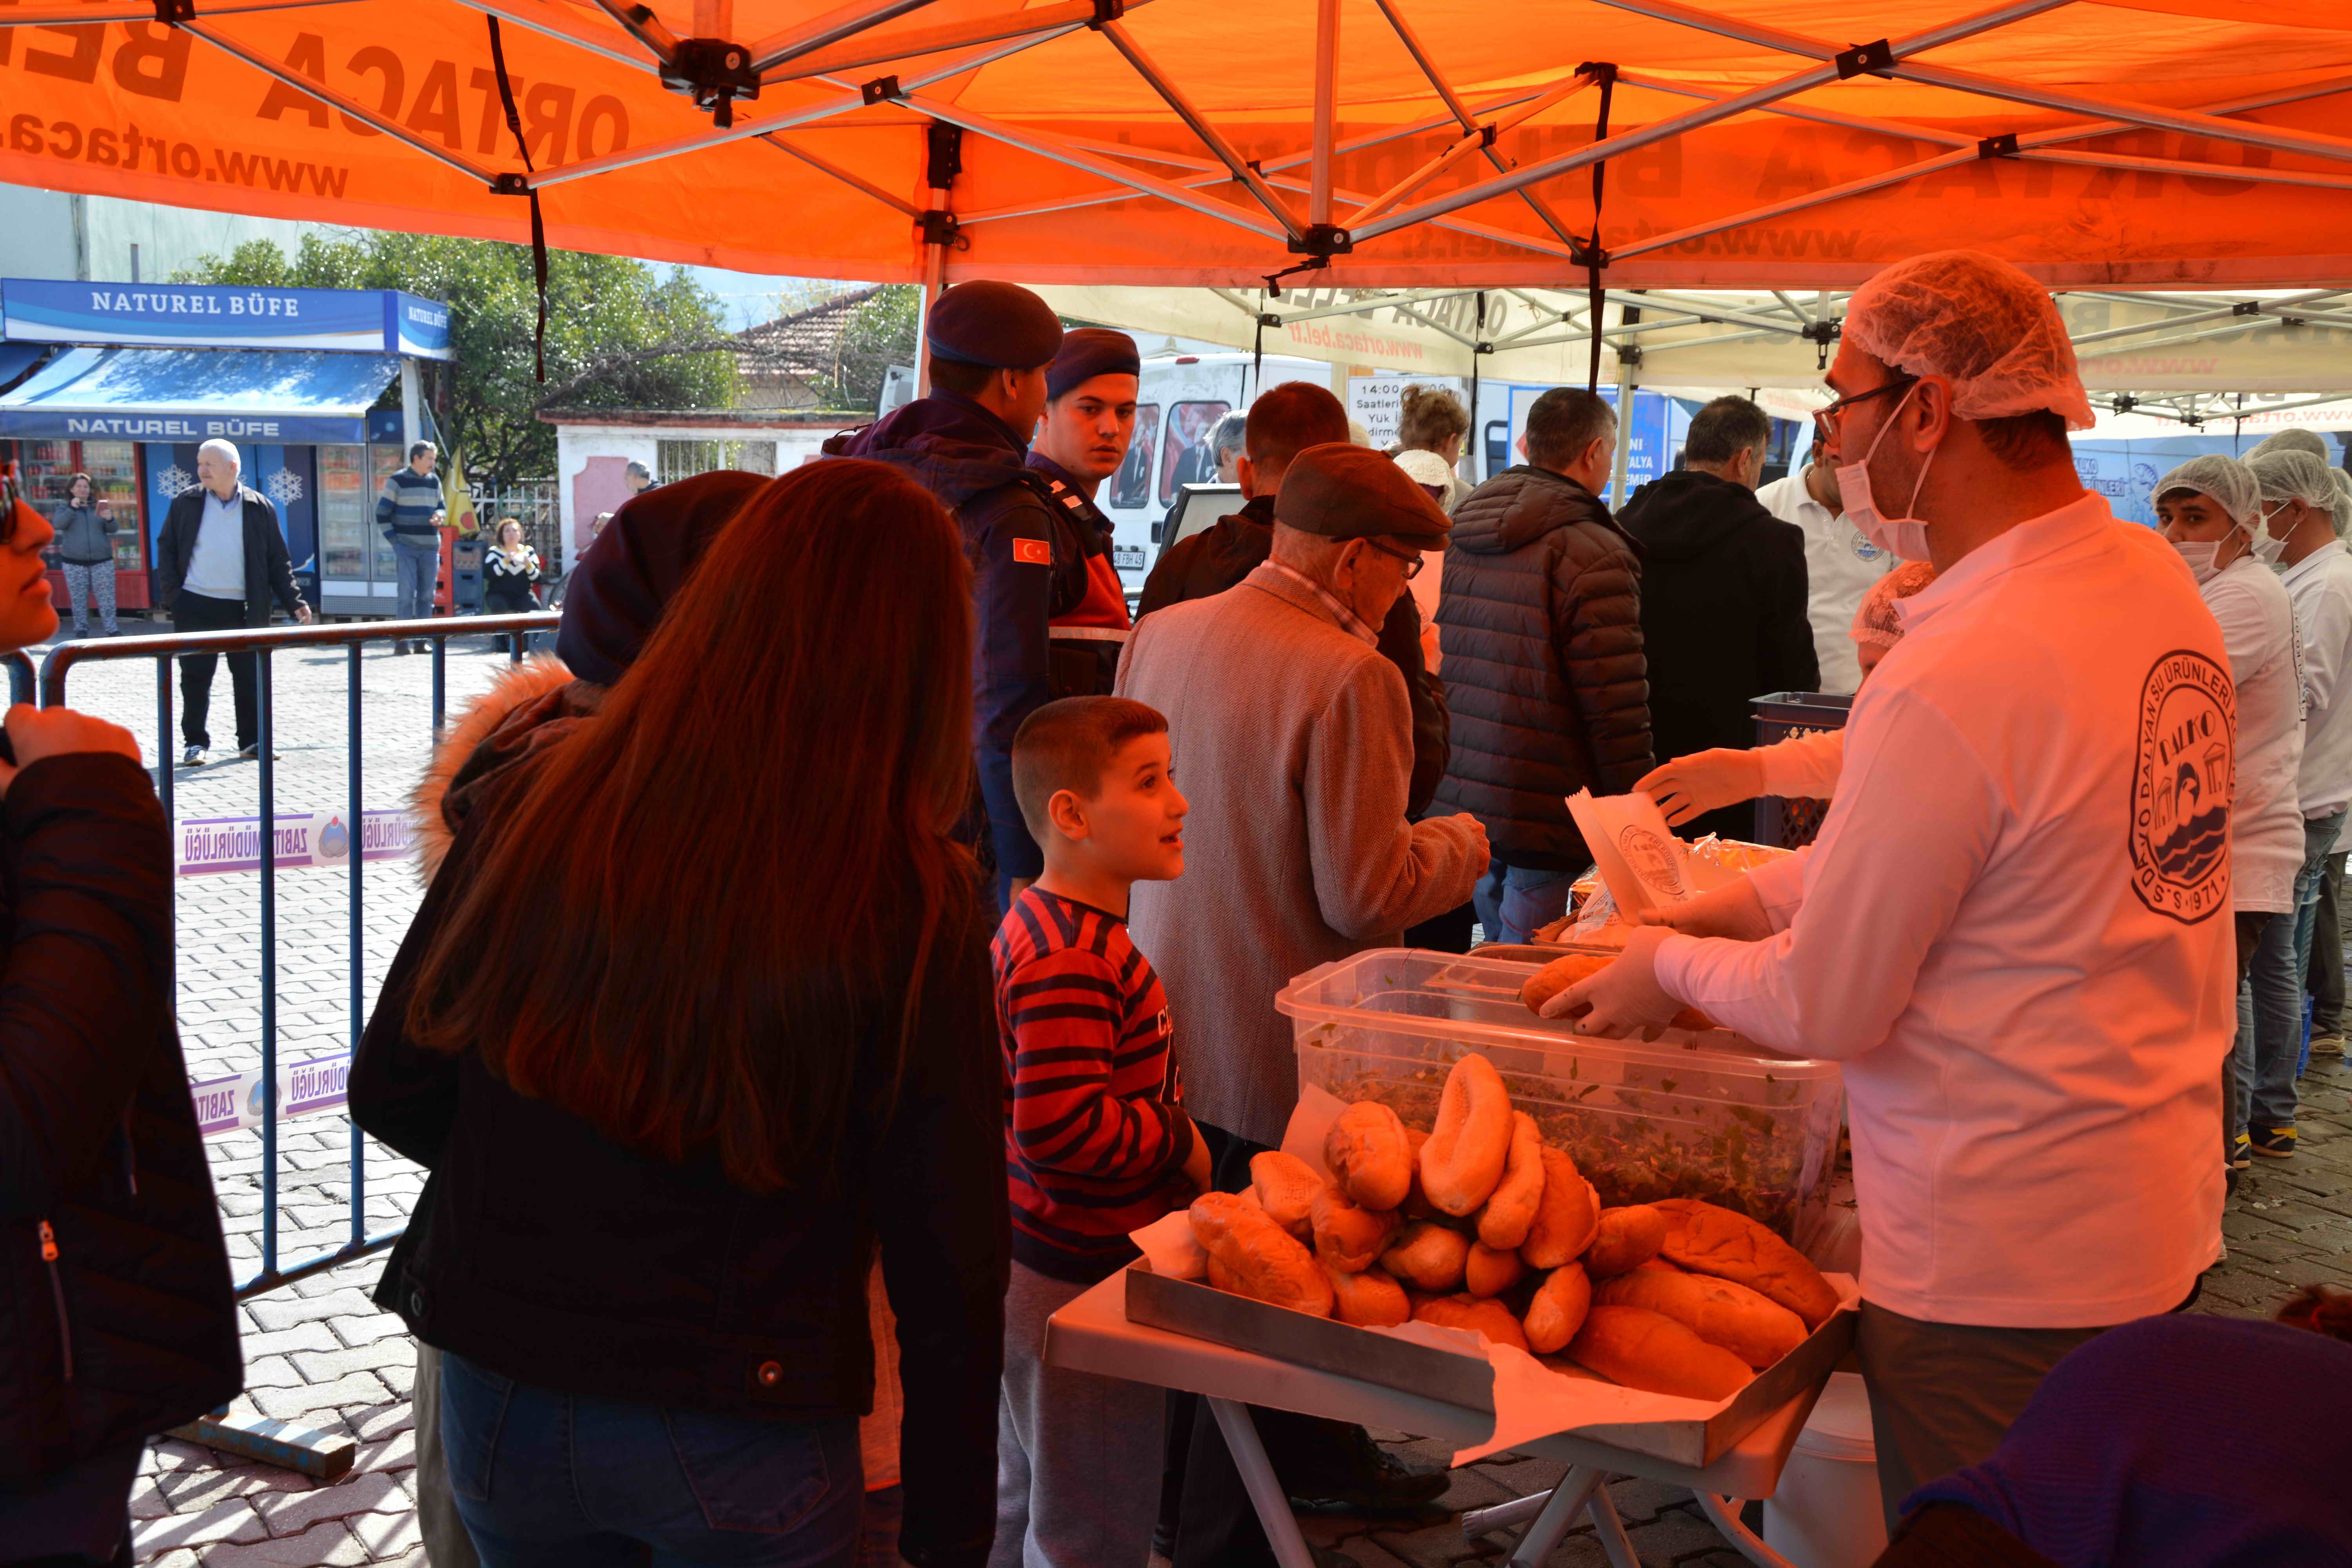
(317, 1352)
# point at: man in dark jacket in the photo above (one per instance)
(1284, 422)
(1723, 595)
(967, 443)
(1083, 438)
(118, 1319)
(1539, 621)
(220, 561)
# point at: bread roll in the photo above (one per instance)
(1370, 1299)
(1757, 1330)
(1348, 1237)
(1416, 1204)
(1259, 1258)
(1627, 1238)
(1464, 1155)
(1568, 969)
(1286, 1186)
(1491, 1319)
(1428, 1256)
(1487, 1272)
(1222, 1278)
(1567, 1218)
(1557, 1311)
(1706, 1239)
(1650, 1351)
(1369, 1155)
(1510, 1210)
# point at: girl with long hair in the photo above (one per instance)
(739, 1034)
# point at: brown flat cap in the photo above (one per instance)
(1345, 492)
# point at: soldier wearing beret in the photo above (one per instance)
(1292, 735)
(1090, 390)
(991, 346)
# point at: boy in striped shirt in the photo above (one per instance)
(1095, 1144)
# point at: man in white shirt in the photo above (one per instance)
(2298, 506)
(1841, 564)
(2014, 928)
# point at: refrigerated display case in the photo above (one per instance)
(346, 527)
(47, 469)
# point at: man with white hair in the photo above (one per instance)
(2014, 927)
(219, 562)
(2298, 502)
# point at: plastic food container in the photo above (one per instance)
(1687, 1115)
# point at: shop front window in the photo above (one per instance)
(674, 461)
(1131, 486)
(1185, 457)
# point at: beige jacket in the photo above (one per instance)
(1293, 741)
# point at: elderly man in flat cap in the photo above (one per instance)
(1293, 737)
(993, 349)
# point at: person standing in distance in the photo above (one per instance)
(2046, 975)
(219, 562)
(1539, 620)
(991, 345)
(409, 511)
(1841, 564)
(1082, 439)
(85, 531)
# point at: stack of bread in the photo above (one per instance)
(1477, 1224)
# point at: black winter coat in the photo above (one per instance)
(130, 1327)
(1210, 561)
(1539, 621)
(1723, 617)
(546, 1252)
(268, 569)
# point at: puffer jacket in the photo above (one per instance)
(1029, 564)
(118, 1316)
(1540, 625)
(1211, 561)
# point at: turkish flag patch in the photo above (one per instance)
(1032, 552)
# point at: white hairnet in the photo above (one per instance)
(2343, 482)
(2291, 440)
(1980, 323)
(2226, 479)
(1876, 621)
(2294, 476)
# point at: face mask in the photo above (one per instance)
(2267, 548)
(2199, 553)
(1906, 536)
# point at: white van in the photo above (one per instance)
(1180, 400)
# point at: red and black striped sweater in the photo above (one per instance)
(1093, 1141)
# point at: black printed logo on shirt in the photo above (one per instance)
(2181, 787)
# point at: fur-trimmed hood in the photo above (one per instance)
(526, 706)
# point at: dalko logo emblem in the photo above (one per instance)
(2181, 787)
(1652, 859)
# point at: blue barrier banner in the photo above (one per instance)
(216, 844)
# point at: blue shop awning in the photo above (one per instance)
(15, 359)
(284, 395)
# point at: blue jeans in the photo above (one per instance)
(2270, 1038)
(559, 1480)
(419, 566)
(1514, 902)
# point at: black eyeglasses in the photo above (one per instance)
(1828, 418)
(1413, 562)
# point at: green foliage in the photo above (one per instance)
(880, 333)
(618, 335)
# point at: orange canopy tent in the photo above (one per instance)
(1795, 144)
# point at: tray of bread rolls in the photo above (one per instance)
(1671, 1327)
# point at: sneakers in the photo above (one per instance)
(253, 753)
(2238, 1158)
(400, 646)
(2278, 1143)
(191, 757)
(1369, 1480)
(2329, 1044)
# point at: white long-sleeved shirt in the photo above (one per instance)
(2266, 664)
(2320, 584)
(1840, 567)
(2014, 933)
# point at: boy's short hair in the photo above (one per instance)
(1068, 745)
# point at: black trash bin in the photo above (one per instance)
(1784, 823)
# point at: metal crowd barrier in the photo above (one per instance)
(277, 1441)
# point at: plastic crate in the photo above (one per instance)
(1688, 1115)
(1781, 822)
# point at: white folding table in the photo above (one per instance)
(1093, 1334)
